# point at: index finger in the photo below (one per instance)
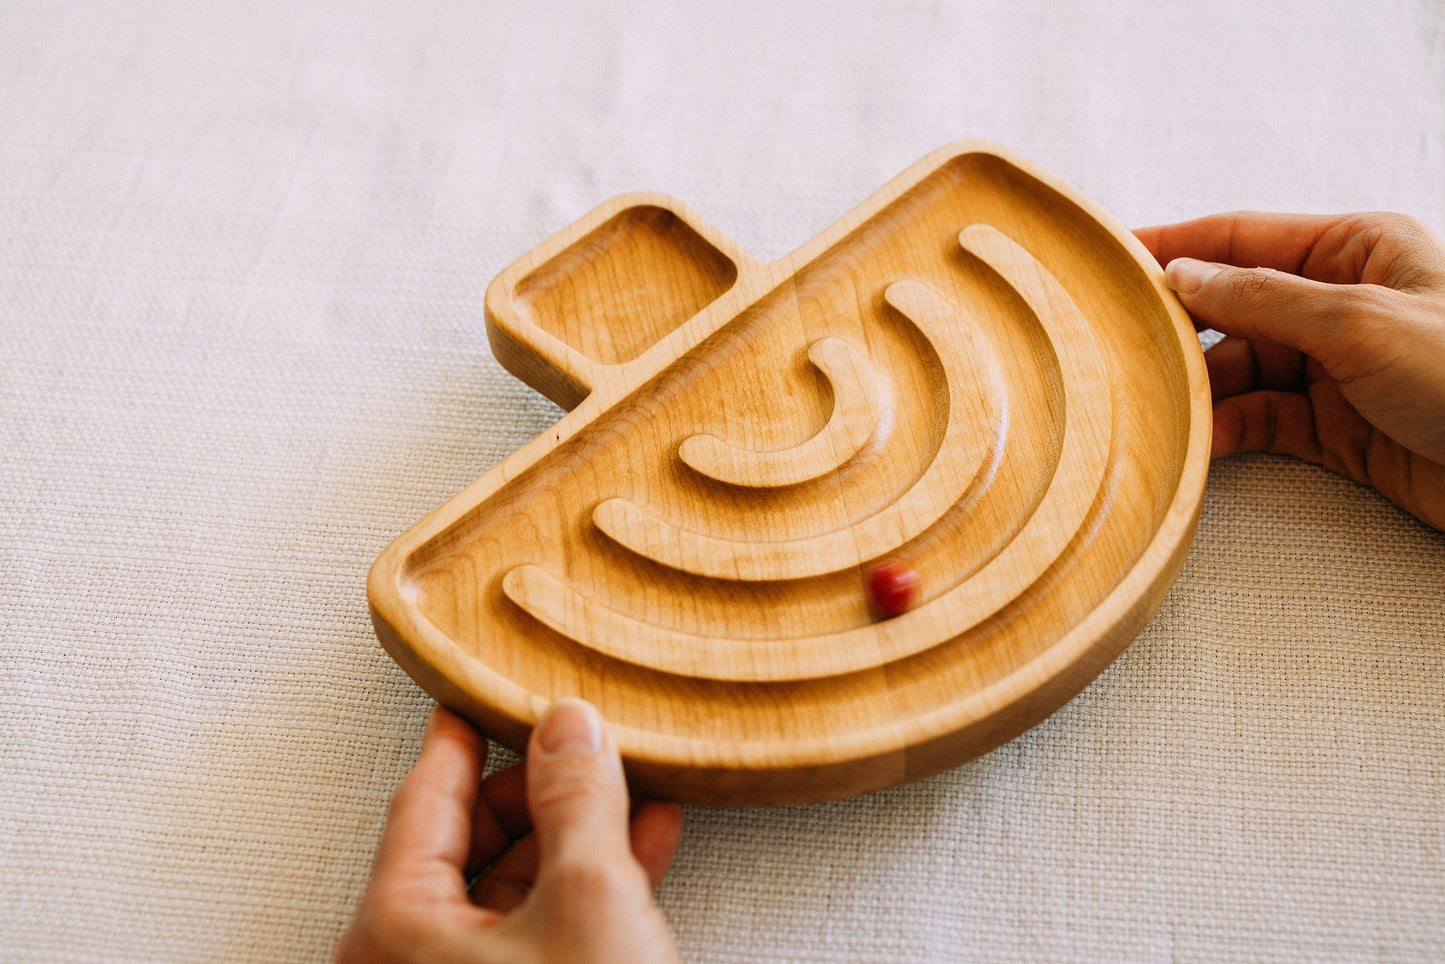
(501, 815)
(429, 827)
(1246, 239)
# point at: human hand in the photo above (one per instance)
(569, 878)
(1335, 341)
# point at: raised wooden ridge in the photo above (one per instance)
(976, 371)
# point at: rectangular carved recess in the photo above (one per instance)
(625, 285)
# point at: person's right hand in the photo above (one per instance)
(1335, 341)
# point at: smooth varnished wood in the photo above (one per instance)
(975, 377)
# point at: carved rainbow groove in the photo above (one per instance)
(1087, 428)
(860, 402)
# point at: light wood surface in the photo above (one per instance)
(975, 372)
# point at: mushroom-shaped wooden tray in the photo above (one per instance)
(976, 373)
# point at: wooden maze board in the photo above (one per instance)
(976, 373)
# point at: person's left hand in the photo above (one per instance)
(568, 876)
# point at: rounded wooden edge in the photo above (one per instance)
(708, 773)
(864, 761)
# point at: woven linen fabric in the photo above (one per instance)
(243, 247)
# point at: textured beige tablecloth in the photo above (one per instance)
(242, 252)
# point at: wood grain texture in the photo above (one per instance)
(976, 372)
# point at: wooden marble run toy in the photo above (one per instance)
(976, 380)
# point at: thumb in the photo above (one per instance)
(1263, 304)
(575, 788)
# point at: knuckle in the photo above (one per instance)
(1367, 316)
(1404, 251)
(1253, 284)
(422, 785)
(592, 882)
(560, 788)
(375, 934)
(1364, 307)
(1368, 323)
(412, 788)
(1391, 222)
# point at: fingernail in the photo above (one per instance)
(1187, 275)
(570, 727)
